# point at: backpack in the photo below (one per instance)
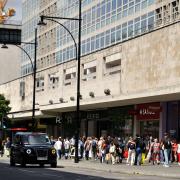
(141, 144)
(93, 144)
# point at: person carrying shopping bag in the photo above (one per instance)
(112, 151)
(7, 147)
(156, 151)
(131, 151)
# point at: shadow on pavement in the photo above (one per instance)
(42, 173)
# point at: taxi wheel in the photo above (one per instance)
(12, 163)
(54, 165)
(41, 165)
(23, 164)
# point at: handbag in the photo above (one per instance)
(125, 155)
(148, 157)
(7, 153)
(143, 158)
(108, 157)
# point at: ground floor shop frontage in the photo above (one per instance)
(144, 119)
(111, 121)
(148, 119)
(159, 118)
(103, 122)
(172, 115)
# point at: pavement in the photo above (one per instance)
(146, 169)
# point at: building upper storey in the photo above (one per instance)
(104, 23)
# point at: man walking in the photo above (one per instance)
(167, 149)
(67, 148)
(140, 147)
(58, 147)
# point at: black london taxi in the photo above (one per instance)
(32, 148)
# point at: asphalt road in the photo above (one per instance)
(64, 173)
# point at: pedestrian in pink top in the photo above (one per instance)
(156, 151)
(178, 152)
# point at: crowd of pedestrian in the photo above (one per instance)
(5, 146)
(133, 151)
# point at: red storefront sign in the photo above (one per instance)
(133, 112)
(149, 111)
(18, 129)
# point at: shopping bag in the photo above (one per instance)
(7, 153)
(143, 158)
(108, 157)
(125, 154)
(148, 157)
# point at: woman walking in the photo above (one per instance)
(131, 151)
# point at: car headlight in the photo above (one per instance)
(28, 151)
(53, 151)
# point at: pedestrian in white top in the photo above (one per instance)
(131, 145)
(58, 147)
(112, 152)
(66, 147)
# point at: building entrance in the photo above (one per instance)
(118, 123)
(148, 119)
(149, 128)
(103, 128)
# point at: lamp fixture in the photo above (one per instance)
(41, 22)
(4, 46)
(91, 94)
(61, 100)
(107, 92)
(50, 101)
(72, 98)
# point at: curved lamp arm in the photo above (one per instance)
(67, 31)
(27, 55)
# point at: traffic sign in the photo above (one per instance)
(10, 36)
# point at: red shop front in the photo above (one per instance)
(148, 119)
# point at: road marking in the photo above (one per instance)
(26, 170)
(51, 175)
(41, 174)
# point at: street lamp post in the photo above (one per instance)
(78, 58)
(34, 82)
(78, 87)
(34, 72)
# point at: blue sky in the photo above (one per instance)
(17, 5)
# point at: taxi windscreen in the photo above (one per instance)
(36, 139)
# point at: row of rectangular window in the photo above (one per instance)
(29, 8)
(114, 35)
(28, 28)
(110, 9)
(73, 6)
(110, 67)
(100, 41)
